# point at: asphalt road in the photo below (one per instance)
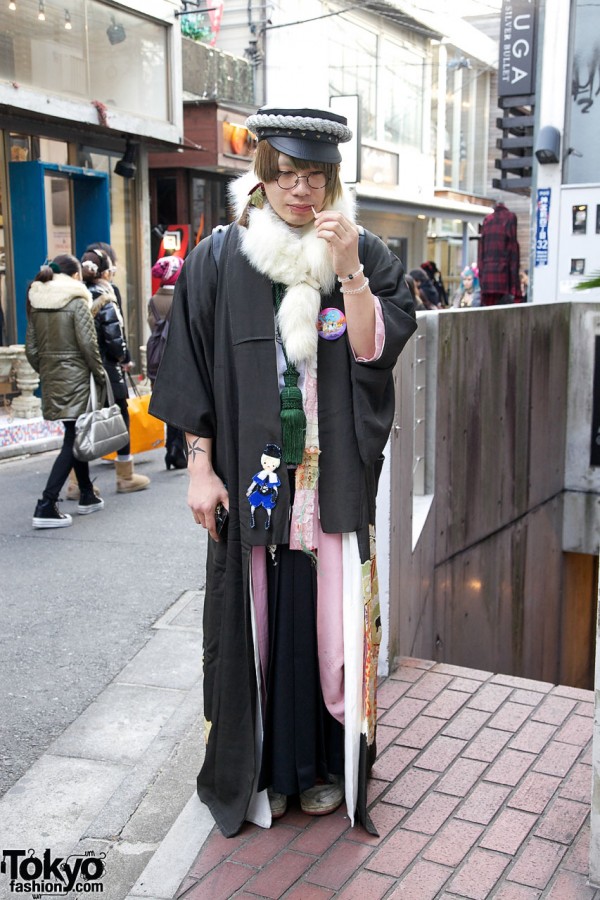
(76, 604)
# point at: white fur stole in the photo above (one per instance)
(295, 257)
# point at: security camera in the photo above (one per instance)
(547, 147)
(115, 32)
(126, 167)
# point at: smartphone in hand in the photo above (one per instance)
(222, 521)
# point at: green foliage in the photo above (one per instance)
(197, 27)
(593, 281)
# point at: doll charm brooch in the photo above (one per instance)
(264, 488)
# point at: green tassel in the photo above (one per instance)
(293, 420)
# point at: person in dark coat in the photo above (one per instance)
(426, 288)
(433, 273)
(279, 368)
(412, 286)
(167, 270)
(61, 345)
(498, 258)
(96, 265)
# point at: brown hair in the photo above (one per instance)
(64, 264)
(266, 166)
(101, 263)
(102, 245)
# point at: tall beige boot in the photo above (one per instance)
(73, 487)
(127, 480)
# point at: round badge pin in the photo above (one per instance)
(331, 324)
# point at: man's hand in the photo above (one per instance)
(342, 238)
(206, 490)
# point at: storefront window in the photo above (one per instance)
(116, 41)
(401, 94)
(89, 50)
(388, 77)
(53, 151)
(446, 246)
(460, 122)
(209, 206)
(21, 148)
(583, 111)
(58, 214)
(354, 50)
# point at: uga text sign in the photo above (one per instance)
(516, 68)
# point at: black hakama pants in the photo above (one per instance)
(302, 743)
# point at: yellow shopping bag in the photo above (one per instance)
(146, 432)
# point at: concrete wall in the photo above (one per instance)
(489, 582)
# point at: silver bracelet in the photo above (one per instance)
(351, 277)
(359, 290)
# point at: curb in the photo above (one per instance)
(119, 783)
(175, 856)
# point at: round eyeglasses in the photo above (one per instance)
(289, 180)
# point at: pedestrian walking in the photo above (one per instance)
(279, 367)
(96, 265)
(167, 270)
(72, 492)
(61, 345)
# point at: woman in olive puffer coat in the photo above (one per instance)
(61, 345)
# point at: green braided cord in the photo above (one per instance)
(293, 419)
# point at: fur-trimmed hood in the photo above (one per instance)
(102, 293)
(58, 293)
(295, 257)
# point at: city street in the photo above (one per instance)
(78, 603)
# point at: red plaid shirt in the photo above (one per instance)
(498, 253)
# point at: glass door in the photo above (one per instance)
(58, 192)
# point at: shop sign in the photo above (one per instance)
(516, 68)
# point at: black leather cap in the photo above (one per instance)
(311, 134)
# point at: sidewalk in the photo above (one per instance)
(116, 779)
(481, 790)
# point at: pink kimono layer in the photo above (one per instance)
(329, 584)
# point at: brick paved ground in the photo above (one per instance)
(481, 790)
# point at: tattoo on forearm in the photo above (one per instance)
(193, 448)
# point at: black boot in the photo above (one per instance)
(175, 460)
(174, 445)
(46, 515)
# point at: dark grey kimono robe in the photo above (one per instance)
(219, 379)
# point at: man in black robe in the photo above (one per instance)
(280, 354)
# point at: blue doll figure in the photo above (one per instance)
(264, 488)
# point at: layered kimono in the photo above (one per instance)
(220, 379)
